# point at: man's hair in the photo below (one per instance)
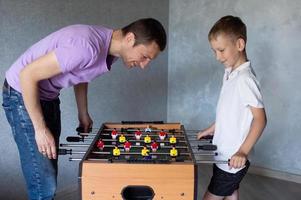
(146, 31)
(229, 25)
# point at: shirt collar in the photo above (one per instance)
(230, 74)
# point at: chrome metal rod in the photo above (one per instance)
(212, 161)
(75, 145)
(151, 135)
(201, 153)
(149, 146)
(143, 130)
(152, 153)
(74, 159)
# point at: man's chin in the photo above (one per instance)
(128, 66)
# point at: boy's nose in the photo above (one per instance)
(218, 57)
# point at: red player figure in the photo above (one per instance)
(154, 146)
(138, 134)
(162, 135)
(127, 146)
(100, 144)
(114, 134)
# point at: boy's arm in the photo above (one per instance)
(208, 131)
(239, 159)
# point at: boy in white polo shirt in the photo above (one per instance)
(240, 114)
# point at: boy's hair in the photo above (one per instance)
(146, 31)
(229, 25)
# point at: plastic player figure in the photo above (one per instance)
(147, 139)
(114, 134)
(100, 144)
(127, 146)
(162, 135)
(145, 152)
(138, 134)
(116, 151)
(148, 129)
(154, 146)
(173, 152)
(122, 139)
(173, 139)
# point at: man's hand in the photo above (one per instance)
(85, 122)
(46, 143)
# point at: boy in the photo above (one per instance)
(71, 56)
(240, 114)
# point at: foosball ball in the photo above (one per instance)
(139, 161)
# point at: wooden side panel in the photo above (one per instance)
(103, 181)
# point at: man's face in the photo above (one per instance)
(139, 55)
(227, 50)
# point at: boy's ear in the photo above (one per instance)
(241, 44)
(130, 38)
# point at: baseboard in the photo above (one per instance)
(274, 174)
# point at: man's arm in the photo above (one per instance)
(258, 124)
(42, 68)
(81, 93)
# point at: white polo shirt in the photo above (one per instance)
(233, 116)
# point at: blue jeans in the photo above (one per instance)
(40, 173)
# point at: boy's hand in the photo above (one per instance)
(202, 134)
(238, 160)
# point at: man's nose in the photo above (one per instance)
(144, 63)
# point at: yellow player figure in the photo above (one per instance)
(173, 152)
(116, 151)
(172, 139)
(147, 139)
(122, 139)
(145, 151)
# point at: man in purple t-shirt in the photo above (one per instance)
(71, 56)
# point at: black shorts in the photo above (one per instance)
(224, 183)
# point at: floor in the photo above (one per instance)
(253, 187)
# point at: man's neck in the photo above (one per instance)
(115, 44)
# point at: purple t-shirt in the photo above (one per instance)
(82, 53)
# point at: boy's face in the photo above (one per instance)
(138, 55)
(228, 51)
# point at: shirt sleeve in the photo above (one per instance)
(249, 91)
(73, 57)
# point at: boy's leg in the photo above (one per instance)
(224, 184)
(234, 196)
(209, 196)
(39, 171)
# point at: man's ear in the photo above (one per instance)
(241, 44)
(130, 38)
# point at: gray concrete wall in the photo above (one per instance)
(274, 47)
(119, 95)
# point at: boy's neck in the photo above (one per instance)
(240, 61)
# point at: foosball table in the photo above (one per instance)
(140, 161)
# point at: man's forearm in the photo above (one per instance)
(31, 100)
(81, 92)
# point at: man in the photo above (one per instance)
(71, 56)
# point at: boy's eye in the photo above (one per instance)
(221, 50)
